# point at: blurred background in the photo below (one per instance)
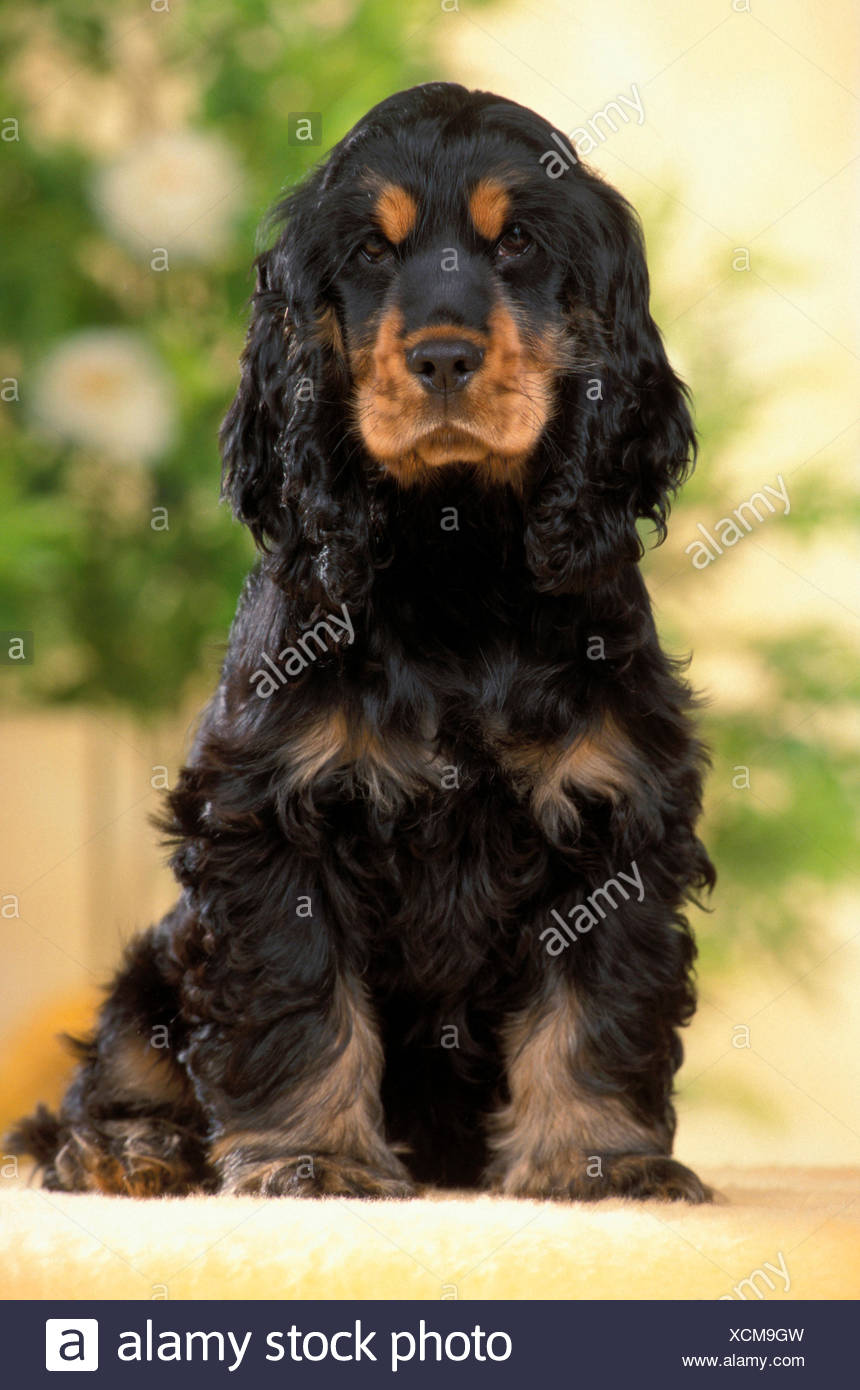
(141, 145)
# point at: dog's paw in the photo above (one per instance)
(593, 1177)
(310, 1175)
(647, 1176)
(127, 1158)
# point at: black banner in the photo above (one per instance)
(404, 1344)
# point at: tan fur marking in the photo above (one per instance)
(328, 332)
(599, 762)
(340, 1110)
(383, 766)
(336, 1111)
(135, 1158)
(550, 1116)
(489, 208)
(318, 745)
(396, 212)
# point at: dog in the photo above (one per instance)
(437, 831)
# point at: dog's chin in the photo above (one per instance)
(430, 453)
(450, 444)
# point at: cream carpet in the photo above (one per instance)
(793, 1233)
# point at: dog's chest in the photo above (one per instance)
(441, 755)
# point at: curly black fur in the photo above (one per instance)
(355, 991)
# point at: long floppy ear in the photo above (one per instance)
(624, 440)
(282, 439)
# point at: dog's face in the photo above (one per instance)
(451, 301)
(442, 300)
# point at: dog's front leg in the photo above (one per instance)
(294, 1101)
(578, 1123)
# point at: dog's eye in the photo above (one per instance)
(376, 249)
(515, 242)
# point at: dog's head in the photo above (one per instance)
(452, 289)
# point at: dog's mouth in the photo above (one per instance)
(451, 443)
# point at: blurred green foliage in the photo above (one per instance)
(122, 612)
(781, 803)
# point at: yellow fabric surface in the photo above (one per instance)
(805, 1221)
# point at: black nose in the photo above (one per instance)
(444, 364)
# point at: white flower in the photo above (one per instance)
(177, 190)
(104, 390)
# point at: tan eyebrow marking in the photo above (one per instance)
(396, 212)
(489, 207)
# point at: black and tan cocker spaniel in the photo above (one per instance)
(437, 831)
